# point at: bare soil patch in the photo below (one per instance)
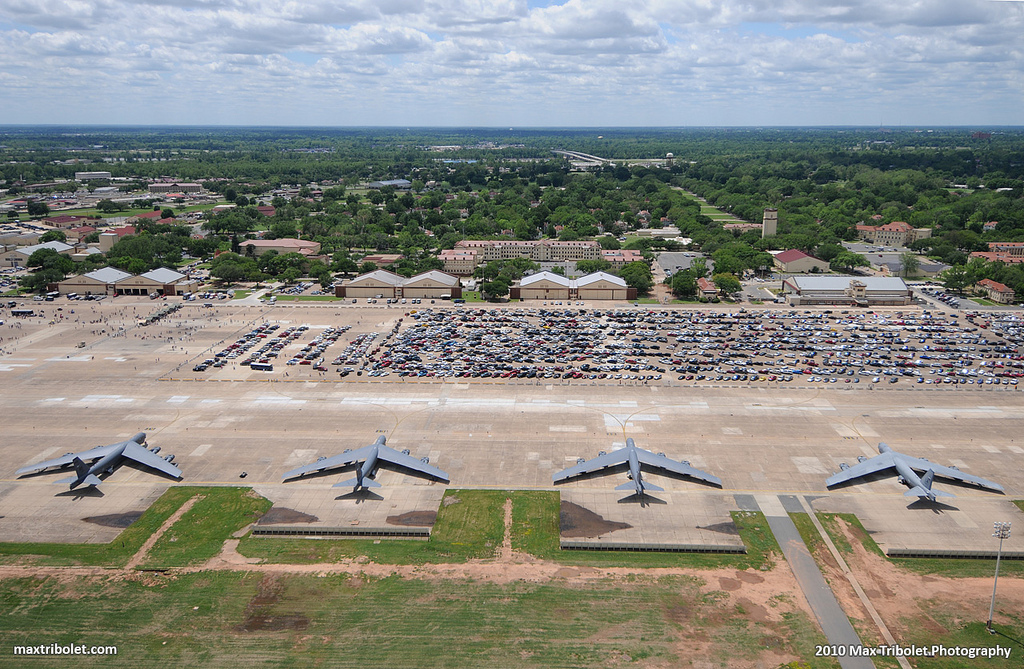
(260, 615)
(279, 515)
(577, 521)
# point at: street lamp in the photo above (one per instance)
(1002, 531)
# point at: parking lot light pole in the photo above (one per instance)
(1002, 531)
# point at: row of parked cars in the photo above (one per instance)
(758, 346)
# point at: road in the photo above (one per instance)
(833, 620)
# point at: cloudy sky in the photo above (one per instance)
(513, 62)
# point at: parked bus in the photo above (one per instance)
(262, 366)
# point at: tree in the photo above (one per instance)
(909, 264)
(109, 206)
(726, 261)
(367, 267)
(497, 288)
(591, 266)
(827, 252)
(847, 260)
(954, 278)
(230, 194)
(684, 283)
(343, 264)
(699, 267)
(637, 275)
(38, 209)
(727, 283)
(53, 236)
(48, 259)
(167, 213)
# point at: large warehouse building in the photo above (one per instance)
(854, 291)
(551, 286)
(112, 281)
(382, 283)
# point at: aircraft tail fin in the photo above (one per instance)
(80, 467)
(927, 479)
(626, 486)
(82, 475)
(365, 483)
(651, 486)
(76, 481)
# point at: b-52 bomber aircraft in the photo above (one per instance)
(635, 457)
(372, 456)
(907, 467)
(105, 459)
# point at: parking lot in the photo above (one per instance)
(637, 345)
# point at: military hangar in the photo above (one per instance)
(431, 285)
(551, 286)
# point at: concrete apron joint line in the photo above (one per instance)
(830, 616)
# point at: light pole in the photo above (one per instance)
(1002, 531)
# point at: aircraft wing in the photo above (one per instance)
(331, 462)
(85, 456)
(389, 454)
(676, 467)
(875, 464)
(144, 456)
(919, 464)
(600, 462)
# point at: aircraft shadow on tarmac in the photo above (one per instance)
(82, 493)
(935, 507)
(360, 496)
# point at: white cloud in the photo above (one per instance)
(613, 62)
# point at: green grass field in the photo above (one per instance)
(114, 554)
(473, 528)
(199, 534)
(469, 526)
(226, 619)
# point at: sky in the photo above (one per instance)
(514, 63)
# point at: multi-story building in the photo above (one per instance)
(175, 187)
(897, 233)
(542, 250)
(997, 292)
(1006, 252)
(460, 262)
(620, 257)
(282, 246)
